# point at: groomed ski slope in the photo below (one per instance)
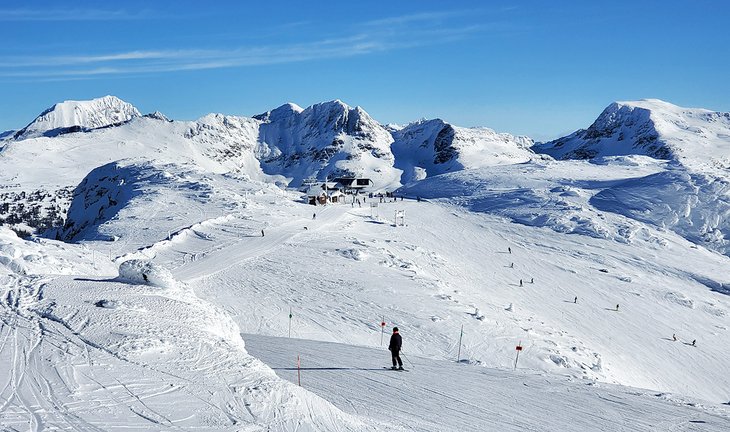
(438, 395)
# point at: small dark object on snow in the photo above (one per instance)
(616, 308)
(694, 342)
(674, 337)
(603, 270)
(144, 276)
(520, 282)
(509, 249)
(575, 300)
(262, 233)
(532, 280)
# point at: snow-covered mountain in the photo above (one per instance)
(329, 139)
(651, 127)
(692, 196)
(141, 314)
(431, 147)
(73, 116)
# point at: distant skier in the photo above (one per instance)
(694, 342)
(674, 337)
(532, 280)
(575, 300)
(616, 308)
(314, 216)
(262, 233)
(520, 282)
(395, 345)
(509, 249)
(511, 265)
(144, 276)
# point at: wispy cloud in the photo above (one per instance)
(417, 17)
(370, 37)
(70, 15)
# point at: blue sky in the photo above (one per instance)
(540, 68)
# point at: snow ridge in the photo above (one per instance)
(75, 116)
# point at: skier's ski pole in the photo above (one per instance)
(408, 360)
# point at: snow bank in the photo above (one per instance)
(144, 272)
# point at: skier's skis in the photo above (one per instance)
(396, 370)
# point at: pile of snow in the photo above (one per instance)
(74, 116)
(144, 272)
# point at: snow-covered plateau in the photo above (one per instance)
(169, 275)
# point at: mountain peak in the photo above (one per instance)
(74, 116)
(650, 127)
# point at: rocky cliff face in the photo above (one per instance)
(432, 147)
(329, 139)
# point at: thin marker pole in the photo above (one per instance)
(458, 355)
(299, 372)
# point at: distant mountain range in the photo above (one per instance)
(290, 144)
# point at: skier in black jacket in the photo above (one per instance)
(395, 344)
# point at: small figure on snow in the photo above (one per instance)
(509, 249)
(674, 337)
(314, 216)
(511, 265)
(395, 345)
(520, 282)
(262, 233)
(532, 280)
(694, 342)
(616, 308)
(144, 276)
(575, 300)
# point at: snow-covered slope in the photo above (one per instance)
(72, 116)
(696, 205)
(329, 139)
(432, 147)
(166, 355)
(651, 127)
(437, 396)
(691, 197)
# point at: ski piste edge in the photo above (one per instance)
(396, 370)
